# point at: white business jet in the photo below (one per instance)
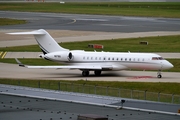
(93, 61)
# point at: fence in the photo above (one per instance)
(106, 91)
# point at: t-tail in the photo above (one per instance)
(45, 41)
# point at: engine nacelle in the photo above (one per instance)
(61, 56)
(70, 56)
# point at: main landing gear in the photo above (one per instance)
(159, 74)
(97, 72)
(86, 73)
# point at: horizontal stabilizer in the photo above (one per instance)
(36, 32)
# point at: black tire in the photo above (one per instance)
(85, 73)
(97, 72)
(159, 76)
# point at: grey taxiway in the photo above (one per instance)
(91, 22)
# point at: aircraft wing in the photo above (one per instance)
(81, 67)
(66, 67)
(61, 67)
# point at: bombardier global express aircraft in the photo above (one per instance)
(93, 61)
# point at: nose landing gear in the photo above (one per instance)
(159, 74)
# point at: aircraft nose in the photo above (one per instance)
(168, 65)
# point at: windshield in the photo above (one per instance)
(157, 58)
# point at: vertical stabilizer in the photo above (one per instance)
(45, 41)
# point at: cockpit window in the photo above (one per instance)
(161, 58)
(154, 58)
(157, 58)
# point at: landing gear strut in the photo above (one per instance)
(97, 72)
(85, 73)
(159, 74)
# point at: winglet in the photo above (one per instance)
(19, 62)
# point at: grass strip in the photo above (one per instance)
(173, 88)
(7, 21)
(135, 90)
(150, 9)
(155, 44)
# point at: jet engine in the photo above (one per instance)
(70, 56)
(59, 56)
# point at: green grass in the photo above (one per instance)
(6, 21)
(173, 88)
(29, 48)
(135, 90)
(156, 44)
(150, 9)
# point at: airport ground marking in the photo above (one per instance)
(3, 55)
(74, 20)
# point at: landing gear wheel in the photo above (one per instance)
(159, 76)
(97, 72)
(85, 73)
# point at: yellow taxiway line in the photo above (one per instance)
(3, 54)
